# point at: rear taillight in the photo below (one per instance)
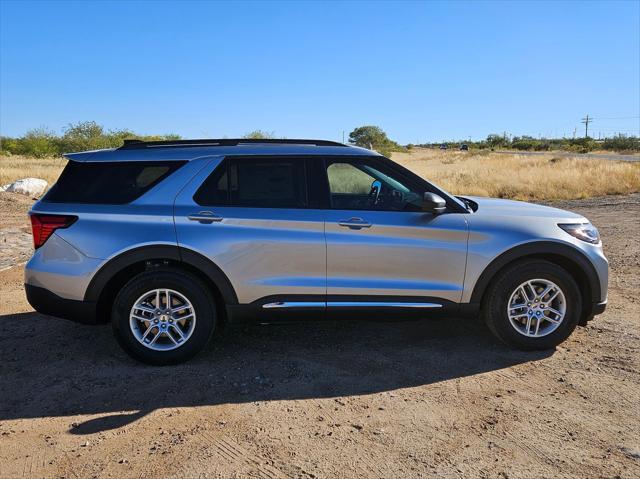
(43, 226)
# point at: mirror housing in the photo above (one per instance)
(432, 203)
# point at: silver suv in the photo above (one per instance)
(169, 241)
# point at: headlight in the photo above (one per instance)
(583, 231)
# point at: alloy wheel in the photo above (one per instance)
(162, 319)
(537, 308)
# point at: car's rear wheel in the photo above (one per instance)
(163, 317)
(533, 304)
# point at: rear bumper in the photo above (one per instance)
(46, 302)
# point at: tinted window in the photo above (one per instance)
(215, 189)
(365, 185)
(256, 182)
(108, 182)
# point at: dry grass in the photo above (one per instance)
(13, 168)
(522, 177)
(472, 173)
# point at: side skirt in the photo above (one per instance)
(279, 309)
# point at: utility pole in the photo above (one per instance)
(586, 121)
(574, 133)
(343, 136)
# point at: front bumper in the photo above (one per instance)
(46, 302)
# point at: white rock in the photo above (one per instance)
(33, 187)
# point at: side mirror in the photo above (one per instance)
(432, 203)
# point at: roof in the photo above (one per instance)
(186, 150)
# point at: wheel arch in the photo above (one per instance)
(106, 283)
(569, 258)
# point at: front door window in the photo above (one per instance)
(362, 185)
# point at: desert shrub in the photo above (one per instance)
(622, 143)
(38, 143)
(523, 143)
(88, 135)
(581, 145)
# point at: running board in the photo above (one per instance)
(346, 304)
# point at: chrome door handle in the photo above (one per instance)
(355, 223)
(205, 217)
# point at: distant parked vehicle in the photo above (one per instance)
(464, 147)
(443, 146)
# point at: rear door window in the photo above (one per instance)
(256, 183)
(115, 183)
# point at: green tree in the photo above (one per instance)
(87, 135)
(259, 135)
(374, 138)
(39, 142)
(496, 141)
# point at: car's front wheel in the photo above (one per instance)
(163, 317)
(533, 304)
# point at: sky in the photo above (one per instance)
(423, 71)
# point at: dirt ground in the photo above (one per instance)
(352, 399)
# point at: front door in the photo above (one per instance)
(381, 248)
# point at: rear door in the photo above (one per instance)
(252, 217)
(381, 248)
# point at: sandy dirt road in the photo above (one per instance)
(352, 399)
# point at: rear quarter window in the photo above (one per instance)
(115, 183)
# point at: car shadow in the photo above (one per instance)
(52, 367)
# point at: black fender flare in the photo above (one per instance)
(539, 249)
(172, 253)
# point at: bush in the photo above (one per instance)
(39, 143)
(81, 136)
(622, 143)
(259, 135)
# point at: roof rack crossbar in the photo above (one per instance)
(139, 144)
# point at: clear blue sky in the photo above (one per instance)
(422, 71)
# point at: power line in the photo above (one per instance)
(617, 117)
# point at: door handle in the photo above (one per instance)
(205, 217)
(355, 223)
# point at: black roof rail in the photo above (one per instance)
(140, 144)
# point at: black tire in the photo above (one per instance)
(182, 282)
(499, 292)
